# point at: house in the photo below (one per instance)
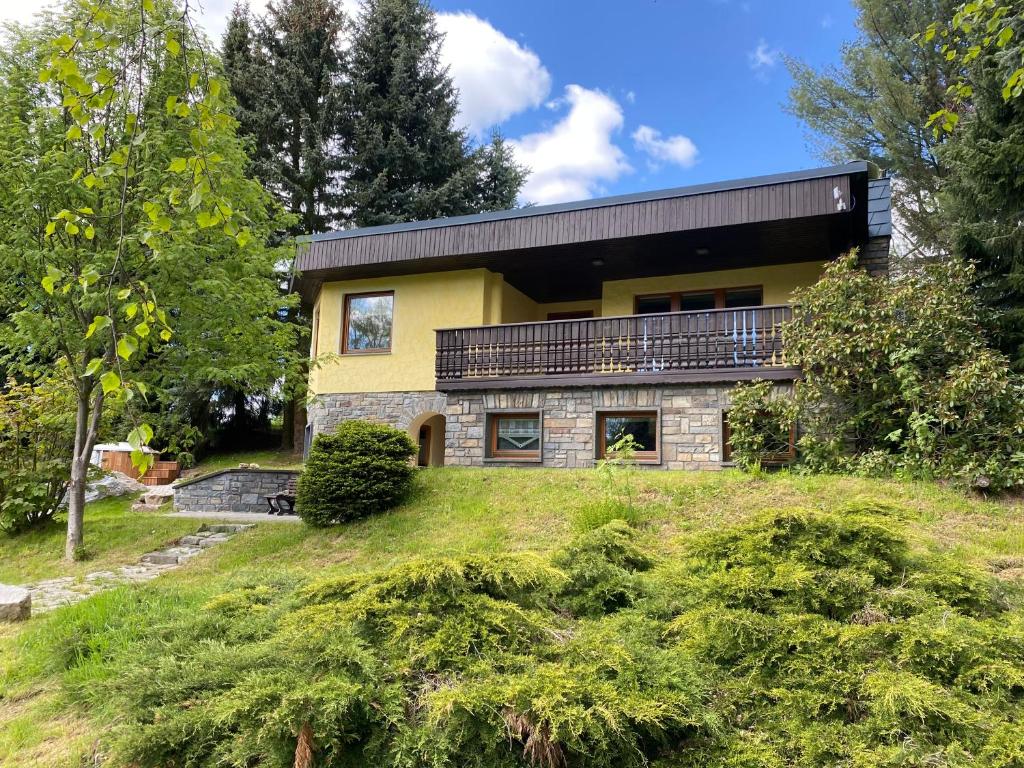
(537, 336)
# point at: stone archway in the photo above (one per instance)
(427, 431)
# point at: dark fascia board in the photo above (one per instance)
(858, 166)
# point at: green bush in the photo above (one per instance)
(798, 638)
(899, 378)
(358, 470)
(36, 438)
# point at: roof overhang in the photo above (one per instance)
(565, 251)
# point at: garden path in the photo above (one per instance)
(67, 590)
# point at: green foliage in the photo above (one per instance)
(977, 30)
(981, 198)
(798, 638)
(287, 76)
(134, 247)
(36, 437)
(875, 104)
(360, 469)
(898, 378)
(761, 421)
(405, 158)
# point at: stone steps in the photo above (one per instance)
(66, 590)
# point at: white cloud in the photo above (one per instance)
(826, 21)
(496, 76)
(677, 149)
(571, 159)
(763, 57)
(631, 97)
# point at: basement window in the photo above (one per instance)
(779, 441)
(612, 426)
(514, 436)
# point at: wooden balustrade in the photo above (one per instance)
(720, 344)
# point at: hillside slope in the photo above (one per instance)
(528, 592)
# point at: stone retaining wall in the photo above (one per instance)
(232, 490)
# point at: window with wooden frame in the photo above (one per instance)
(367, 322)
(578, 314)
(696, 301)
(315, 341)
(779, 445)
(612, 426)
(514, 436)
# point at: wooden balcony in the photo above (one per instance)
(674, 347)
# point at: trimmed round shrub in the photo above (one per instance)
(358, 470)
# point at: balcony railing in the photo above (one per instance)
(720, 344)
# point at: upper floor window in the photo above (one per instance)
(368, 320)
(696, 301)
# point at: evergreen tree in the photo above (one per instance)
(983, 201)
(406, 159)
(287, 72)
(876, 105)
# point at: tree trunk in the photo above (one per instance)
(288, 425)
(87, 419)
(79, 471)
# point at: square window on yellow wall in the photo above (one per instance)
(368, 322)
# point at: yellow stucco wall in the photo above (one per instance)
(778, 282)
(516, 307)
(593, 305)
(423, 303)
(426, 302)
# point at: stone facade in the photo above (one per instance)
(232, 490)
(400, 409)
(874, 256)
(690, 419)
(690, 422)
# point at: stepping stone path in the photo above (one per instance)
(66, 590)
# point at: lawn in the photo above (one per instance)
(114, 535)
(270, 459)
(452, 511)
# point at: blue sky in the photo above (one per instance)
(601, 97)
(711, 71)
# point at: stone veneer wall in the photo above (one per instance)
(691, 422)
(874, 256)
(232, 490)
(691, 419)
(400, 409)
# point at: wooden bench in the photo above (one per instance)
(278, 500)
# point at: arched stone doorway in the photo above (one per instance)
(427, 431)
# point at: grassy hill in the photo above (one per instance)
(233, 614)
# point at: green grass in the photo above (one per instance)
(271, 459)
(114, 535)
(452, 511)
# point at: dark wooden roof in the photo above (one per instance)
(770, 219)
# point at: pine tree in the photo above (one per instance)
(875, 106)
(287, 71)
(407, 160)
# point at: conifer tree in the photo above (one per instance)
(406, 159)
(875, 106)
(983, 202)
(287, 71)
